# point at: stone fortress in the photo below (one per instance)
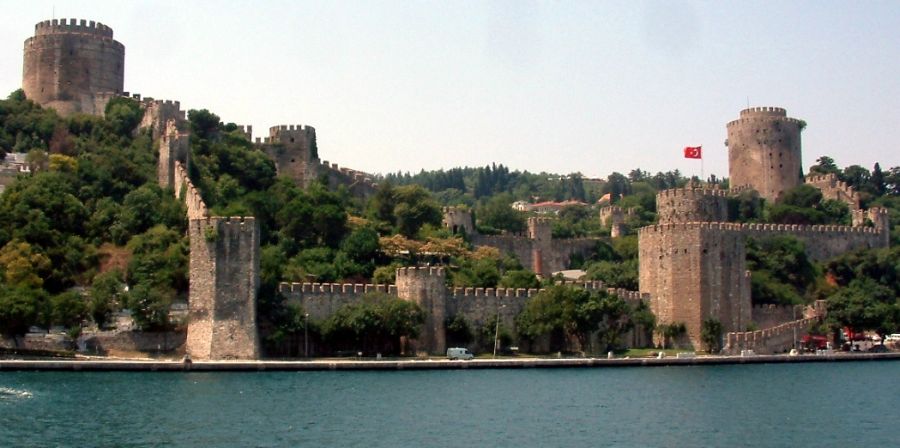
(692, 263)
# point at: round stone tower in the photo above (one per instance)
(764, 151)
(73, 66)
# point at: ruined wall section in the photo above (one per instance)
(835, 189)
(615, 218)
(224, 280)
(764, 151)
(67, 63)
(692, 205)
(458, 220)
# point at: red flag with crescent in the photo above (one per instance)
(693, 152)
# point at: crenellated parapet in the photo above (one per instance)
(359, 183)
(835, 189)
(777, 339)
(692, 205)
(82, 26)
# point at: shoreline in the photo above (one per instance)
(103, 365)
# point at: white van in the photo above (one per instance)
(459, 353)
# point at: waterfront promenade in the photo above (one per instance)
(421, 364)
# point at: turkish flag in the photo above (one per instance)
(693, 152)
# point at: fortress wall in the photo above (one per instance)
(359, 183)
(835, 189)
(516, 244)
(174, 147)
(321, 300)
(183, 187)
(158, 114)
(773, 340)
(224, 279)
(698, 270)
(478, 306)
(768, 316)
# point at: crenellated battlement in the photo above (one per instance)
(82, 26)
(743, 121)
(277, 132)
(420, 272)
(754, 111)
(835, 189)
(677, 193)
(756, 228)
(334, 288)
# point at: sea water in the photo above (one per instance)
(790, 405)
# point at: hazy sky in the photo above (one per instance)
(563, 86)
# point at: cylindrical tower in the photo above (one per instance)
(764, 151)
(68, 64)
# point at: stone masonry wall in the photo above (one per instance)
(764, 151)
(174, 147)
(698, 270)
(478, 306)
(832, 188)
(67, 63)
(692, 205)
(224, 280)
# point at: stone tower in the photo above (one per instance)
(764, 151)
(540, 232)
(73, 66)
(293, 148)
(458, 220)
(426, 287)
(224, 282)
(692, 205)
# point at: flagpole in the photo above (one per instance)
(702, 179)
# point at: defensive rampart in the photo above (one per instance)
(425, 286)
(694, 271)
(835, 189)
(777, 339)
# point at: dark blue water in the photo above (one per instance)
(790, 405)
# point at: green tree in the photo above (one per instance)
(105, 296)
(711, 334)
(374, 324)
(68, 309)
(19, 309)
(497, 214)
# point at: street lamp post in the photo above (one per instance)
(306, 335)
(795, 325)
(497, 330)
